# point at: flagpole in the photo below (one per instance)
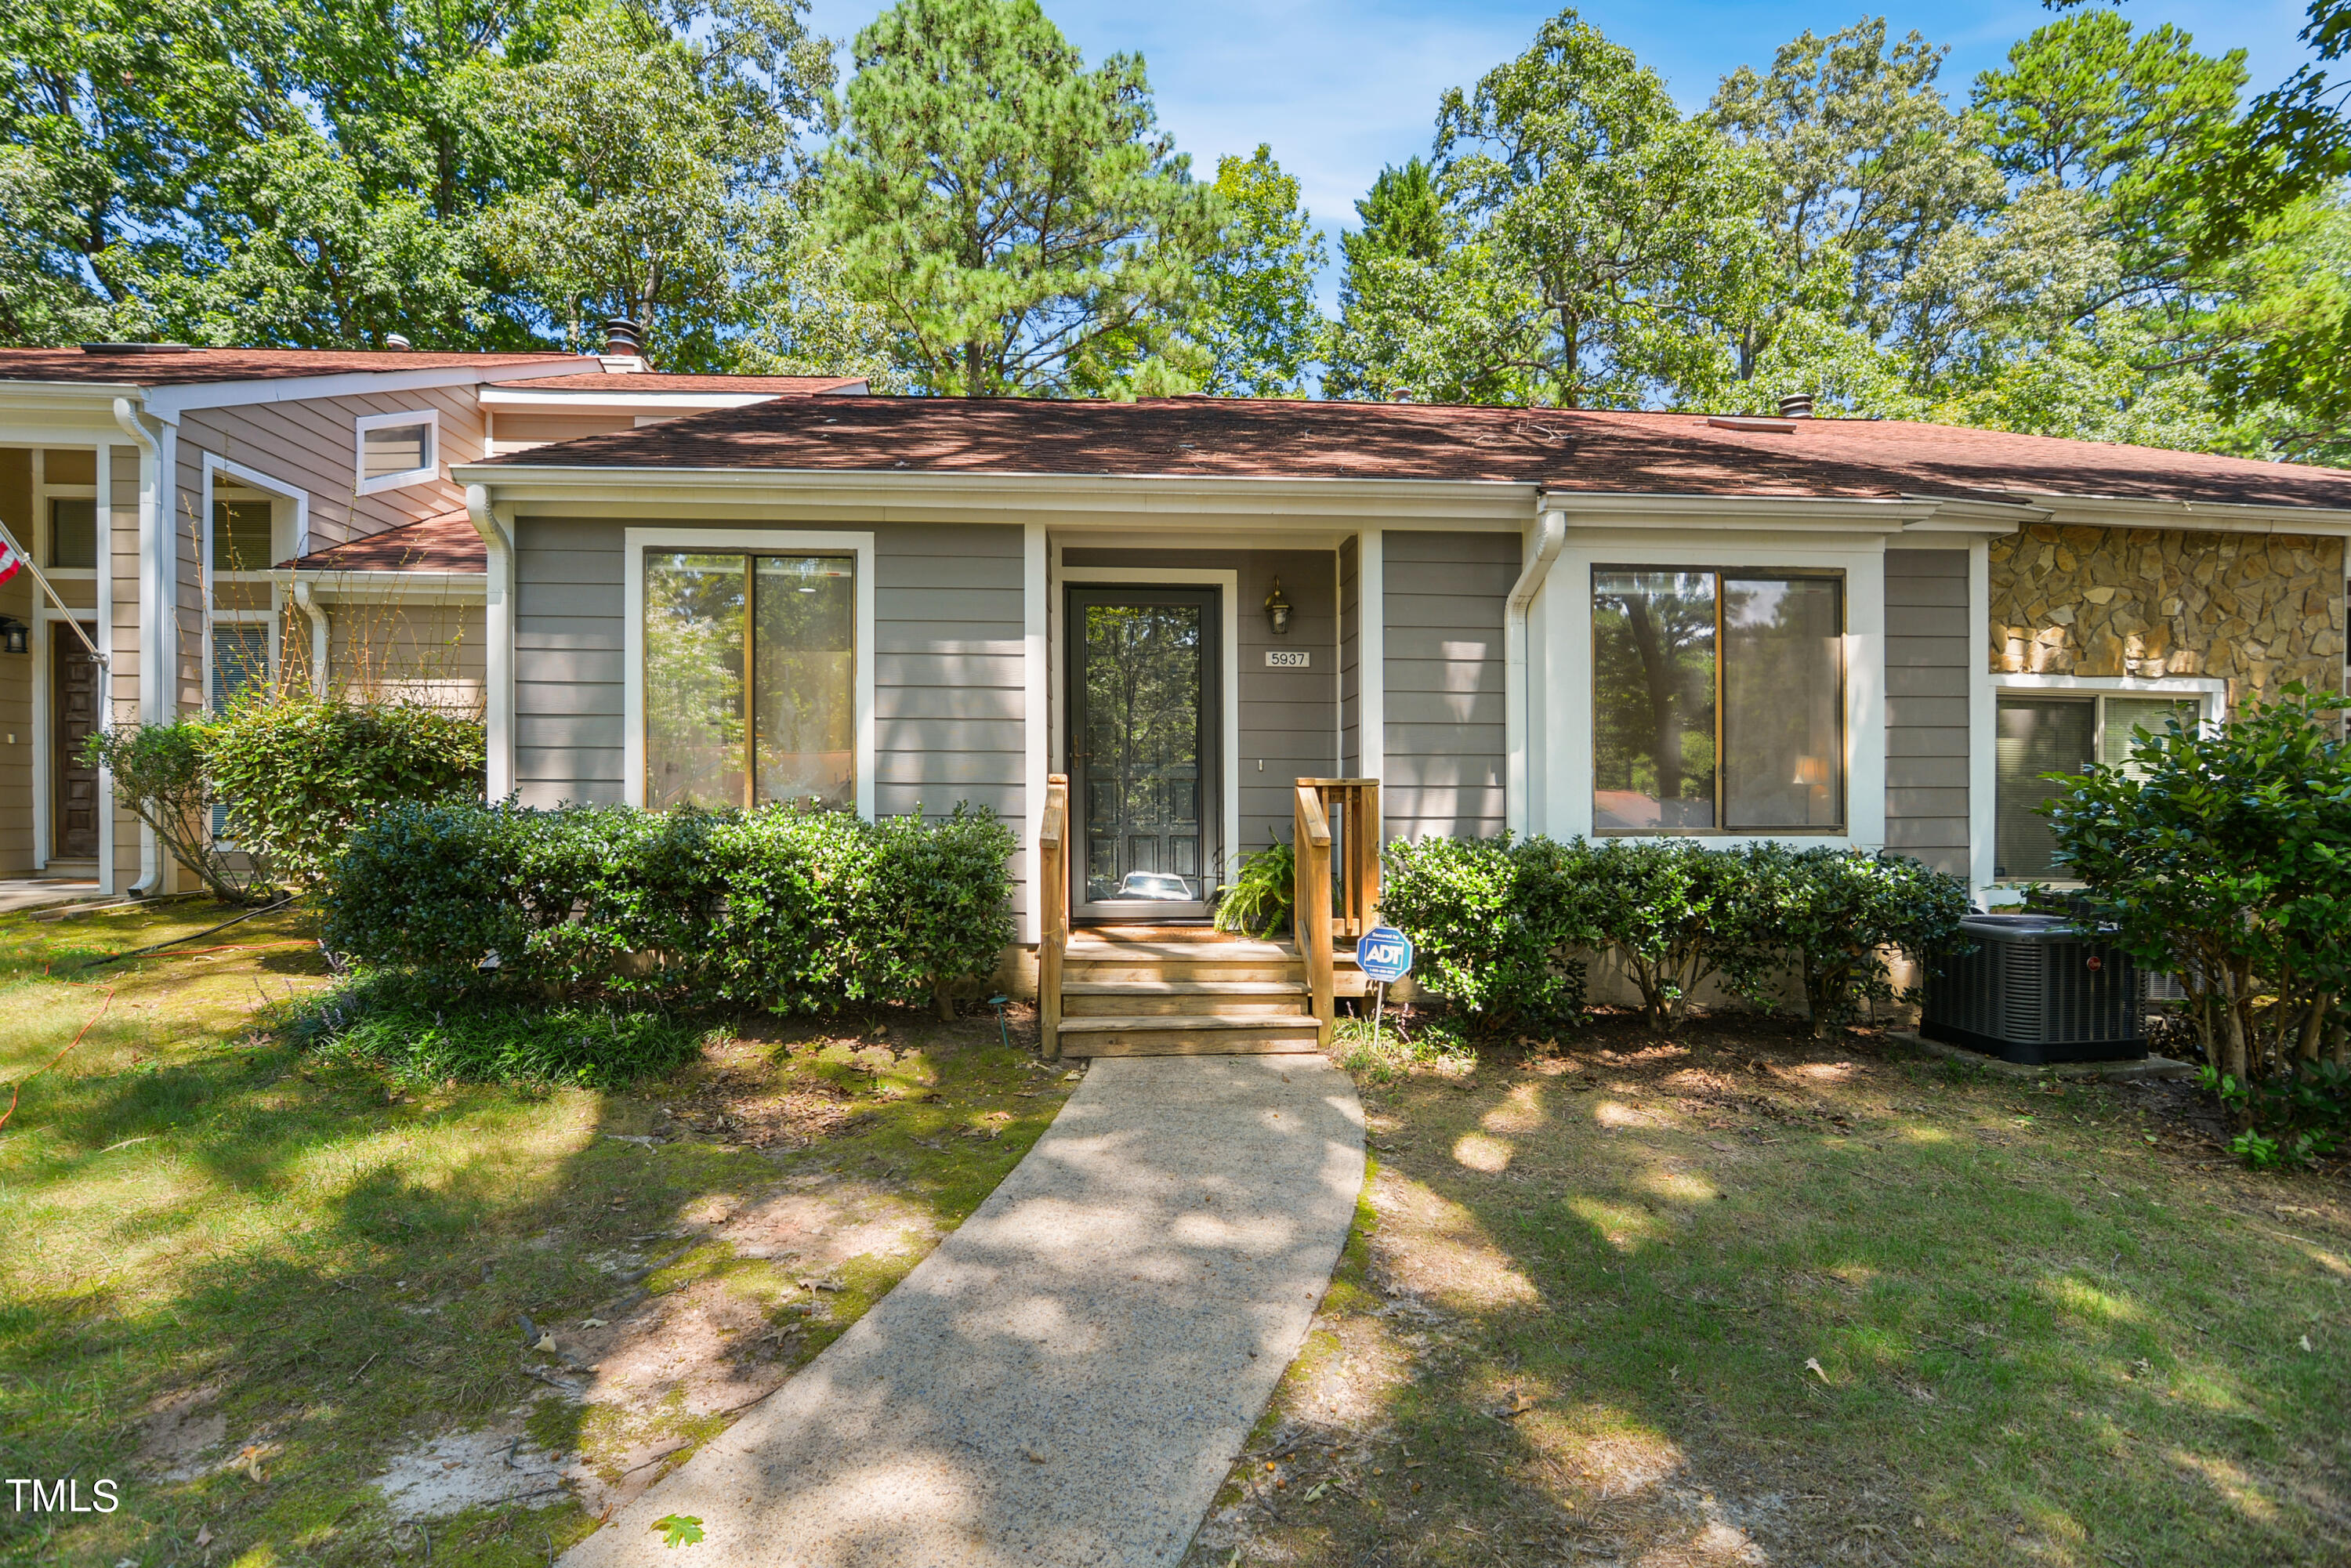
(72, 617)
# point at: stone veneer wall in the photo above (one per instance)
(2255, 610)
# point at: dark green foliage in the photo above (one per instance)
(1494, 921)
(160, 772)
(1831, 916)
(2296, 1117)
(2225, 859)
(398, 1024)
(1257, 901)
(1676, 913)
(780, 908)
(299, 771)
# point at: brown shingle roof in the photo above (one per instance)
(445, 542)
(1560, 449)
(623, 383)
(199, 366)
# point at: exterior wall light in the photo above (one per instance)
(12, 635)
(1277, 610)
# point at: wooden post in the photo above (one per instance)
(1052, 912)
(1310, 902)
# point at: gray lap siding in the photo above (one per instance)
(1930, 645)
(947, 666)
(1444, 672)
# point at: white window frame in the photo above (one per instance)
(43, 542)
(719, 538)
(1569, 673)
(428, 417)
(2211, 696)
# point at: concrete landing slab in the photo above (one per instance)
(2146, 1066)
(20, 895)
(1069, 1378)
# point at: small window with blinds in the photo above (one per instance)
(398, 449)
(2041, 734)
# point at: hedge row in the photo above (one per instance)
(782, 908)
(1500, 922)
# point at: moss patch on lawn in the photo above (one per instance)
(246, 1277)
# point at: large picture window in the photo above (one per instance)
(750, 671)
(2052, 732)
(1718, 701)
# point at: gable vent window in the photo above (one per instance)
(397, 449)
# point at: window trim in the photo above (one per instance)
(720, 538)
(428, 417)
(44, 543)
(1842, 830)
(2212, 695)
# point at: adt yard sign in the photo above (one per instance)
(1384, 954)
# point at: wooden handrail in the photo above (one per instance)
(1052, 911)
(1309, 908)
(1352, 807)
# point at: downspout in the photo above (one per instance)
(152, 664)
(315, 613)
(1551, 534)
(498, 633)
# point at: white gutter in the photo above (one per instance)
(1551, 535)
(497, 630)
(316, 614)
(154, 664)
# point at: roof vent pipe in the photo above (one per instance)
(1796, 405)
(620, 336)
(395, 342)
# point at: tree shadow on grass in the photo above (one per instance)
(333, 1278)
(1679, 1307)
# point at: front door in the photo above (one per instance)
(73, 783)
(1142, 752)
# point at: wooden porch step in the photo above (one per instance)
(1186, 1035)
(1115, 971)
(1083, 947)
(1207, 998)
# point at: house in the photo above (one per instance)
(1841, 631)
(187, 506)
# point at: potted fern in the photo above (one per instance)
(1256, 903)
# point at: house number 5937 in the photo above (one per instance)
(1286, 658)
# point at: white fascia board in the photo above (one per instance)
(466, 587)
(1585, 510)
(2191, 517)
(74, 414)
(619, 401)
(170, 402)
(1430, 502)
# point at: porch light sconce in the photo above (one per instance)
(12, 635)
(1277, 610)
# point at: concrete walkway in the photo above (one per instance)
(1068, 1378)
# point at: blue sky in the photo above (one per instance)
(1340, 88)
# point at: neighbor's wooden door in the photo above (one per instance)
(73, 796)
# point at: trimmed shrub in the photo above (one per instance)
(782, 908)
(1676, 914)
(1831, 915)
(300, 772)
(1493, 921)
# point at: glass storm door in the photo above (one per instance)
(1143, 769)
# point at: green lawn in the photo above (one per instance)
(1823, 1305)
(214, 1237)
